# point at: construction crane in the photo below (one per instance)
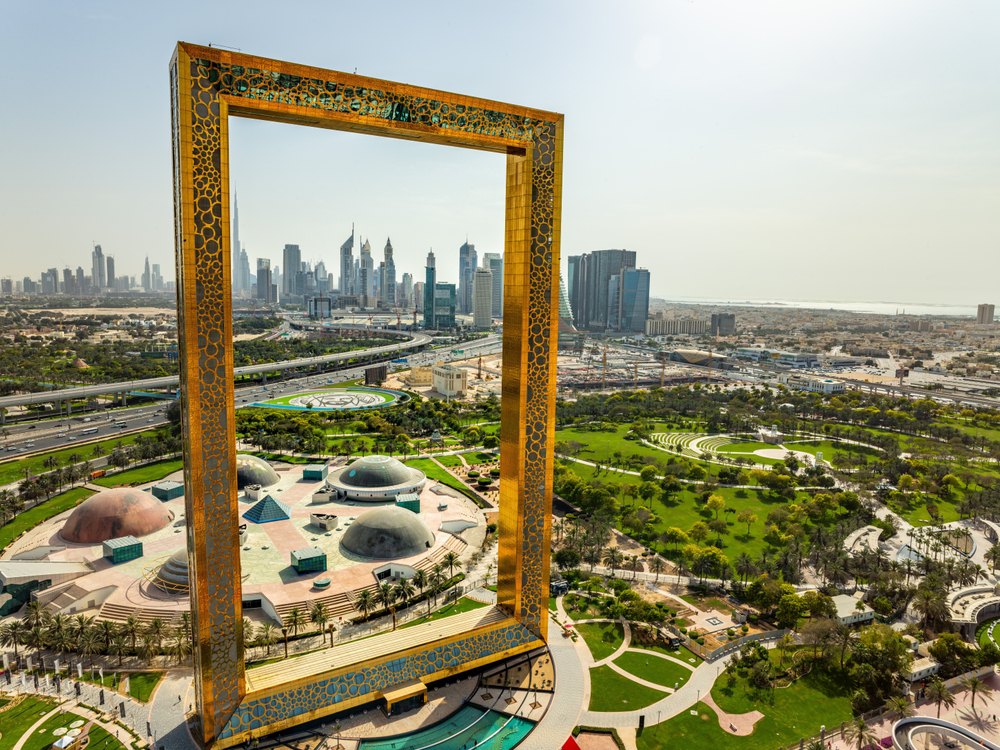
(399, 321)
(604, 369)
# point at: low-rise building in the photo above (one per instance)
(851, 611)
(449, 380)
(813, 385)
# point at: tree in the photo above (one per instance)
(118, 648)
(748, 517)
(647, 474)
(718, 527)
(699, 532)
(451, 560)
(657, 565)
(613, 557)
(364, 602)
(860, 732)
(566, 558)
(131, 628)
(405, 591)
(386, 597)
(319, 617)
(974, 685)
(901, 706)
(648, 491)
(265, 635)
(716, 503)
(938, 692)
(790, 609)
(293, 620)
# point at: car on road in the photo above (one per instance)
(11, 448)
(29, 445)
(150, 419)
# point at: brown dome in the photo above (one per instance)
(123, 511)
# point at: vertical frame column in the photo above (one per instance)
(531, 317)
(204, 320)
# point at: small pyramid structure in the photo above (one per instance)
(268, 509)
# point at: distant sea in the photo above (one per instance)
(878, 308)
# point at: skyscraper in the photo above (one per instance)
(366, 276)
(81, 281)
(109, 279)
(984, 315)
(98, 271)
(147, 280)
(628, 300)
(389, 282)
(347, 265)
(235, 250)
(494, 262)
(467, 262)
(589, 278)
(242, 280)
(430, 277)
(264, 286)
(723, 324)
(406, 291)
(292, 262)
(482, 298)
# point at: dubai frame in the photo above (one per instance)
(207, 85)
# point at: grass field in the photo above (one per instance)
(142, 474)
(53, 506)
(654, 669)
(43, 737)
(14, 470)
(742, 447)
(602, 638)
(433, 471)
(678, 653)
(16, 721)
(462, 605)
(610, 691)
(450, 461)
(287, 400)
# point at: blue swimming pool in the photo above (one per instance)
(470, 727)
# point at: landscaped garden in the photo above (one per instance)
(47, 509)
(610, 691)
(602, 638)
(656, 669)
(141, 474)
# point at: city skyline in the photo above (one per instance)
(792, 145)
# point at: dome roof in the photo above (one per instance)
(376, 471)
(123, 511)
(253, 470)
(388, 532)
(172, 576)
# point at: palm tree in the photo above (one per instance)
(657, 565)
(265, 634)
(901, 706)
(118, 648)
(181, 646)
(844, 637)
(87, 645)
(860, 732)
(13, 634)
(35, 614)
(451, 560)
(612, 558)
(132, 628)
(405, 591)
(419, 579)
(434, 583)
(930, 605)
(106, 632)
(386, 597)
(293, 620)
(938, 692)
(974, 685)
(147, 648)
(744, 566)
(364, 602)
(156, 630)
(319, 617)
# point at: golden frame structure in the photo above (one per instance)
(209, 85)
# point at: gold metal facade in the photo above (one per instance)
(208, 85)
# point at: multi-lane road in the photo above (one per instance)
(51, 434)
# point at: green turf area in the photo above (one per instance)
(142, 684)
(818, 698)
(654, 669)
(17, 720)
(14, 470)
(452, 462)
(829, 447)
(581, 607)
(30, 518)
(720, 605)
(610, 691)
(699, 731)
(602, 446)
(462, 605)
(142, 474)
(688, 657)
(433, 471)
(982, 632)
(286, 400)
(603, 638)
(43, 737)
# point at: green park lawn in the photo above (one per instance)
(465, 604)
(742, 447)
(602, 638)
(15, 469)
(433, 471)
(580, 608)
(53, 506)
(602, 446)
(684, 510)
(654, 669)
(142, 474)
(42, 737)
(610, 691)
(688, 657)
(17, 720)
(982, 632)
(452, 462)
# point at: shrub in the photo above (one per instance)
(495, 473)
(484, 481)
(473, 473)
(745, 629)
(731, 633)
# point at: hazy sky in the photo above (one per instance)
(809, 150)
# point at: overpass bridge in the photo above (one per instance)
(410, 341)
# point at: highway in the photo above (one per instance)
(56, 433)
(416, 341)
